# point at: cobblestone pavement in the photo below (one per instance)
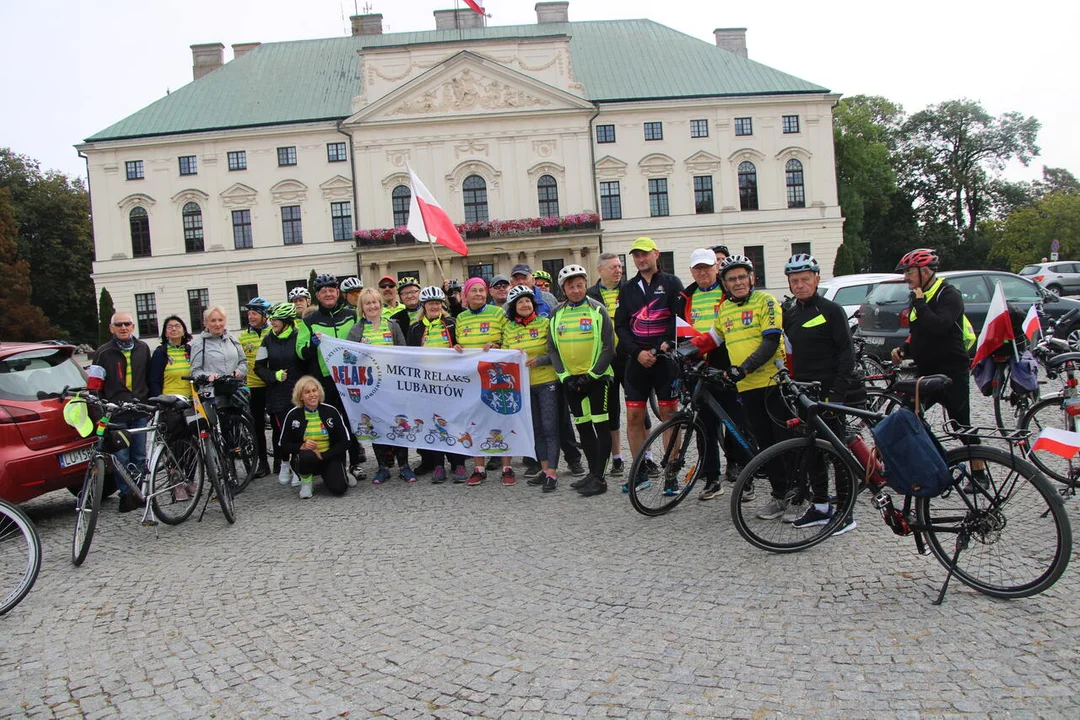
(447, 601)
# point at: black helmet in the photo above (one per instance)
(322, 281)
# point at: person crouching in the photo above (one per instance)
(316, 438)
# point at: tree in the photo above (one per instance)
(20, 320)
(311, 282)
(1056, 180)
(952, 152)
(52, 213)
(1024, 236)
(845, 261)
(105, 313)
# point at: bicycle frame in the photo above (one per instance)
(699, 399)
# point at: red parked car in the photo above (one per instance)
(39, 452)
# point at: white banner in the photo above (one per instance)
(472, 403)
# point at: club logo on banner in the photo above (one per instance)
(433, 397)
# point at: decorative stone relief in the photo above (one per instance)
(392, 181)
(702, 162)
(288, 191)
(544, 148)
(190, 195)
(793, 151)
(397, 158)
(337, 188)
(473, 167)
(609, 168)
(754, 156)
(471, 147)
(238, 196)
(546, 168)
(656, 164)
(467, 92)
(136, 200)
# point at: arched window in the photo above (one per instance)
(193, 230)
(796, 191)
(547, 191)
(748, 186)
(476, 206)
(401, 197)
(140, 232)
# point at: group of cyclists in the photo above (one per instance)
(604, 337)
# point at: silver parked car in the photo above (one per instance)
(1062, 278)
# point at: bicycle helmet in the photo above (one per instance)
(736, 261)
(432, 293)
(351, 284)
(542, 275)
(572, 271)
(299, 292)
(519, 291)
(453, 286)
(323, 281)
(259, 305)
(801, 262)
(407, 282)
(920, 258)
(283, 311)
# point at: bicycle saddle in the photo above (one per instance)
(931, 388)
(174, 402)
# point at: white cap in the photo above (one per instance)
(702, 256)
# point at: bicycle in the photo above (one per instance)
(678, 444)
(217, 455)
(1008, 532)
(228, 399)
(20, 555)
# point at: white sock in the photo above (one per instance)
(616, 456)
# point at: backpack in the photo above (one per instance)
(914, 460)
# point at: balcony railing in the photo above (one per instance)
(489, 228)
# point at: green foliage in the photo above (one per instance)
(845, 261)
(52, 213)
(20, 320)
(1024, 236)
(1055, 180)
(105, 313)
(311, 283)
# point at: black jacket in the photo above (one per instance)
(275, 354)
(415, 336)
(936, 339)
(718, 358)
(821, 347)
(110, 357)
(292, 431)
(158, 362)
(630, 317)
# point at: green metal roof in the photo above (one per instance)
(311, 80)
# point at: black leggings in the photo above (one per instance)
(307, 463)
(590, 411)
(258, 420)
(386, 454)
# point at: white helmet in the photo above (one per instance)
(351, 284)
(431, 293)
(571, 271)
(299, 292)
(519, 291)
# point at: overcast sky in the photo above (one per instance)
(73, 68)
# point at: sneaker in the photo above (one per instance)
(595, 486)
(406, 473)
(438, 475)
(350, 480)
(263, 470)
(748, 493)
(460, 474)
(580, 483)
(671, 486)
(508, 477)
(773, 509)
(713, 489)
(129, 503)
(978, 479)
(357, 472)
(381, 475)
(284, 474)
(536, 480)
(295, 480)
(307, 488)
(551, 482)
(813, 518)
(476, 478)
(846, 525)
(643, 483)
(651, 468)
(617, 468)
(794, 512)
(576, 468)
(533, 471)
(493, 463)
(732, 472)
(426, 467)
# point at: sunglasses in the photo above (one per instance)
(387, 286)
(123, 324)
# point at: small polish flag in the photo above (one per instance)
(1032, 324)
(1059, 442)
(476, 8)
(428, 222)
(684, 329)
(996, 330)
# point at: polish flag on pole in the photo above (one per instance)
(428, 222)
(1032, 324)
(1059, 442)
(684, 329)
(997, 328)
(475, 7)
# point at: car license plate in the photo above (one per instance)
(76, 457)
(873, 340)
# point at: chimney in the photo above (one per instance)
(206, 58)
(552, 12)
(455, 19)
(731, 39)
(366, 24)
(239, 49)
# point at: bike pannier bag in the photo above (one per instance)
(914, 463)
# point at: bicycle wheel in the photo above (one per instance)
(874, 371)
(680, 456)
(215, 470)
(20, 555)
(87, 507)
(1010, 404)
(176, 481)
(1050, 413)
(804, 463)
(239, 436)
(1014, 536)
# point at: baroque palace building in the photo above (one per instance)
(553, 142)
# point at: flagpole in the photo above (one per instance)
(436, 256)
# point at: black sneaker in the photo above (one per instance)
(129, 503)
(578, 484)
(532, 471)
(358, 472)
(651, 468)
(536, 480)
(713, 489)
(593, 487)
(551, 482)
(617, 468)
(748, 493)
(732, 472)
(424, 467)
(576, 468)
(263, 470)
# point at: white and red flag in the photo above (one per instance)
(1059, 442)
(684, 329)
(428, 222)
(475, 7)
(1032, 324)
(996, 330)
